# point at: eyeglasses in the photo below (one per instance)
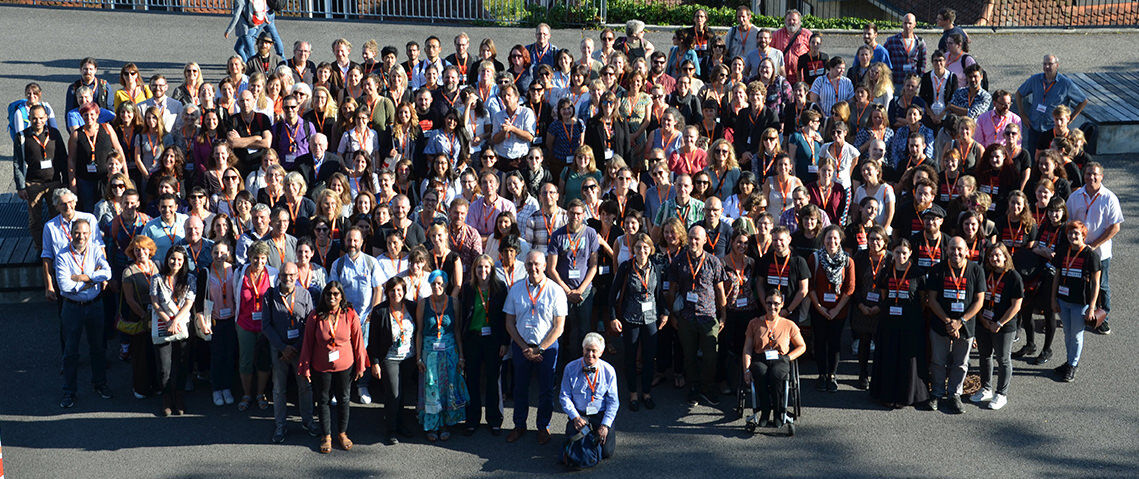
(659, 62)
(588, 187)
(291, 107)
(515, 55)
(198, 197)
(702, 182)
(119, 185)
(321, 229)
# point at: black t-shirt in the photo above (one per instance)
(906, 221)
(45, 155)
(1015, 234)
(929, 253)
(249, 157)
(898, 290)
(1003, 289)
(811, 68)
(955, 290)
(1075, 270)
(802, 245)
(866, 273)
(782, 273)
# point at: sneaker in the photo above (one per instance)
(709, 398)
(872, 346)
(955, 406)
(1027, 350)
(693, 398)
(832, 385)
(68, 401)
(104, 392)
(312, 429)
(125, 353)
(333, 401)
(219, 399)
(138, 395)
(279, 436)
(863, 383)
(365, 396)
(1070, 374)
(227, 395)
(854, 347)
(998, 402)
(1042, 359)
(1102, 329)
(981, 396)
(821, 384)
(933, 404)
(1061, 370)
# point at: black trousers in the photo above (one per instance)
(645, 336)
(828, 342)
(173, 365)
(397, 375)
(485, 392)
(768, 377)
(323, 385)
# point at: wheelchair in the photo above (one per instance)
(792, 404)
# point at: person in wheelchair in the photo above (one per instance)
(771, 344)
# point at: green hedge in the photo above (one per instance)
(654, 12)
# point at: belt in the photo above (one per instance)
(82, 303)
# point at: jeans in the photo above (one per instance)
(396, 376)
(142, 363)
(700, 334)
(828, 342)
(769, 376)
(1104, 267)
(610, 445)
(325, 384)
(948, 359)
(223, 354)
(282, 370)
(1072, 317)
(581, 321)
(74, 319)
(1031, 137)
(482, 358)
(547, 382)
(88, 194)
(988, 344)
(645, 336)
(39, 197)
(246, 45)
(173, 365)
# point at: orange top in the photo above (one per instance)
(781, 337)
(824, 289)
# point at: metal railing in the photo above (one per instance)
(570, 12)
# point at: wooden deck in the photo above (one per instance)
(19, 259)
(1113, 106)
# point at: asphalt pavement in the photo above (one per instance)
(1083, 429)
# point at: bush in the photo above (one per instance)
(659, 13)
(561, 15)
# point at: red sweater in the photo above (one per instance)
(319, 341)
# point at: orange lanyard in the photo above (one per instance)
(291, 304)
(1091, 201)
(439, 319)
(534, 298)
(899, 283)
(1070, 259)
(573, 247)
(81, 263)
(256, 282)
(695, 271)
(592, 383)
(994, 289)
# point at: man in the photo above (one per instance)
(535, 316)
(682, 206)
(657, 76)
(514, 130)
(719, 232)
(1040, 94)
(812, 64)
(571, 259)
(870, 38)
(260, 220)
(282, 246)
(991, 124)
(81, 272)
(540, 226)
(303, 68)
(780, 269)
(249, 134)
(931, 246)
(413, 235)
(264, 61)
(633, 44)
(429, 117)
(589, 394)
(292, 135)
(907, 221)
(972, 100)
(763, 50)
(359, 273)
(800, 198)
(542, 52)
(432, 49)
(906, 51)
(696, 293)
(483, 215)
(741, 38)
(751, 123)
(283, 324)
(793, 40)
(413, 62)
(319, 164)
(955, 292)
(88, 68)
(461, 60)
(937, 88)
(945, 18)
(19, 111)
(168, 229)
(169, 109)
(342, 51)
(1099, 209)
(200, 251)
(83, 95)
(40, 158)
(465, 240)
(911, 145)
(124, 227)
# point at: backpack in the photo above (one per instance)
(582, 450)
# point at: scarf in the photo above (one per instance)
(833, 266)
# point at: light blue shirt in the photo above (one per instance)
(513, 146)
(577, 396)
(1062, 92)
(358, 276)
(57, 234)
(74, 120)
(165, 236)
(93, 264)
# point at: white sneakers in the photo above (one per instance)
(998, 402)
(219, 399)
(365, 396)
(982, 396)
(227, 395)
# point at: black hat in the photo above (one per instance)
(265, 37)
(934, 211)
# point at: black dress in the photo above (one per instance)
(900, 363)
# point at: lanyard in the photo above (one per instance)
(592, 383)
(334, 319)
(439, 318)
(573, 247)
(899, 283)
(255, 281)
(81, 263)
(534, 298)
(291, 305)
(1071, 259)
(1091, 201)
(993, 285)
(696, 271)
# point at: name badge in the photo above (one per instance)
(777, 280)
(537, 140)
(45, 165)
(1062, 290)
(987, 314)
(404, 349)
(692, 297)
(925, 262)
(1072, 272)
(485, 331)
(252, 151)
(608, 154)
(1041, 108)
(938, 106)
(293, 333)
(569, 159)
(225, 312)
(988, 190)
(908, 67)
(646, 306)
(91, 168)
(439, 346)
(664, 285)
(818, 72)
(957, 307)
(574, 274)
(591, 410)
(189, 167)
(873, 296)
(812, 168)
(257, 316)
(954, 294)
(603, 269)
(830, 298)
(290, 158)
(895, 310)
(741, 302)
(861, 247)
(333, 355)
(770, 354)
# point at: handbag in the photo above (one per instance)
(161, 335)
(582, 450)
(206, 318)
(130, 328)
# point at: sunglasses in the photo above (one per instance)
(119, 185)
(321, 228)
(589, 187)
(702, 182)
(723, 151)
(291, 107)
(232, 178)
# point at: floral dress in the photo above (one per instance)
(443, 392)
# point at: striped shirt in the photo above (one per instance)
(828, 95)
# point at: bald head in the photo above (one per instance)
(697, 236)
(287, 277)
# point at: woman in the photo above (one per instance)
(110, 205)
(249, 284)
(868, 301)
(504, 225)
(133, 88)
(584, 166)
(1075, 293)
(899, 372)
(778, 89)
(681, 51)
(723, 169)
(674, 238)
(1016, 230)
(310, 276)
(485, 340)
(226, 102)
(833, 281)
(1050, 167)
(806, 146)
(390, 348)
(828, 195)
(997, 326)
(741, 304)
(187, 92)
(220, 301)
(778, 187)
(361, 137)
(230, 180)
(519, 68)
(327, 249)
(404, 139)
(844, 154)
(1051, 238)
(361, 177)
(323, 112)
(668, 136)
(566, 135)
(716, 87)
(701, 186)
(607, 133)
(971, 229)
(332, 356)
(171, 297)
(345, 121)
(442, 257)
(353, 84)
(273, 98)
(169, 164)
(88, 150)
(879, 82)
(952, 171)
(636, 306)
(443, 393)
(135, 316)
(634, 108)
(779, 342)
(201, 149)
(861, 67)
(956, 58)
(446, 141)
(150, 141)
(877, 128)
(873, 186)
(689, 158)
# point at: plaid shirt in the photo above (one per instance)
(982, 101)
(900, 59)
(465, 240)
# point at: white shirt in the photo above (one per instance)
(171, 111)
(419, 75)
(1098, 212)
(534, 320)
(513, 146)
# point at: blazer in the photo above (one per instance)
(380, 334)
(595, 138)
(496, 316)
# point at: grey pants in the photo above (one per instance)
(948, 360)
(991, 344)
(282, 369)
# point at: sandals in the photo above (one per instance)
(432, 437)
(262, 402)
(326, 445)
(246, 401)
(445, 435)
(345, 443)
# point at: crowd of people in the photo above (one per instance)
(435, 231)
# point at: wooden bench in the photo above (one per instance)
(20, 271)
(1113, 107)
